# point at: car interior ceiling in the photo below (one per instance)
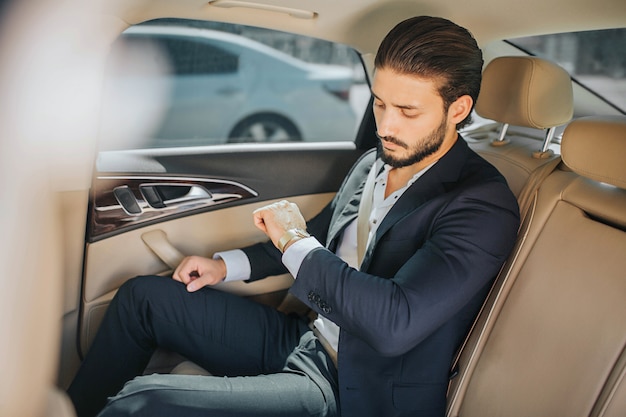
(550, 338)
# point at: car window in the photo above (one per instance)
(175, 83)
(190, 56)
(595, 60)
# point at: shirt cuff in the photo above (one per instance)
(237, 264)
(297, 251)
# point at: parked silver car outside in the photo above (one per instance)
(227, 88)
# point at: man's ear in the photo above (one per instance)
(460, 109)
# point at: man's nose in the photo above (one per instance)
(385, 125)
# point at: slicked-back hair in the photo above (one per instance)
(435, 48)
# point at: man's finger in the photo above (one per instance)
(198, 283)
(259, 220)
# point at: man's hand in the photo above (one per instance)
(274, 220)
(197, 272)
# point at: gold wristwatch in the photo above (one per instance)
(289, 236)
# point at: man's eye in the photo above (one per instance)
(410, 114)
(378, 104)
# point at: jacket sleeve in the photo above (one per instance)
(469, 240)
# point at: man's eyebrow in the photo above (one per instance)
(400, 106)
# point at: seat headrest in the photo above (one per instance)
(595, 147)
(526, 91)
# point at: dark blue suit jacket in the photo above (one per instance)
(404, 315)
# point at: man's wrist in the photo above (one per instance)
(289, 237)
(237, 264)
(297, 252)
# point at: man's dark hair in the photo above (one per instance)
(433, 47)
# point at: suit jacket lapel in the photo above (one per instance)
(428, 186)
(348, 198)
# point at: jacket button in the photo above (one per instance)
(325, 307)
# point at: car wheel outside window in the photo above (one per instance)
(264, 128)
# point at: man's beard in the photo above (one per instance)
(428, 146)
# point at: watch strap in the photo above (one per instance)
(290, 235)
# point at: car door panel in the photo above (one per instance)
(128, 201)
(121, 245)
(231, 174)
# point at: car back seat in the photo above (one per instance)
(551, 338)
(527, 92)
(523, 91)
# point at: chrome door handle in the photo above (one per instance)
(161, 196)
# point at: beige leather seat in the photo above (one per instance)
(526, 92)
(551, 338)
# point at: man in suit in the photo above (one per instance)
(394, 292)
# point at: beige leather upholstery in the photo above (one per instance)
(551, 338)
(612, 400)
(526, 91)
(58, 404)
(189, 368)
(596, 150)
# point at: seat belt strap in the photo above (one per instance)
(365, 209)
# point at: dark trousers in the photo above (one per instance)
(263, 362)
